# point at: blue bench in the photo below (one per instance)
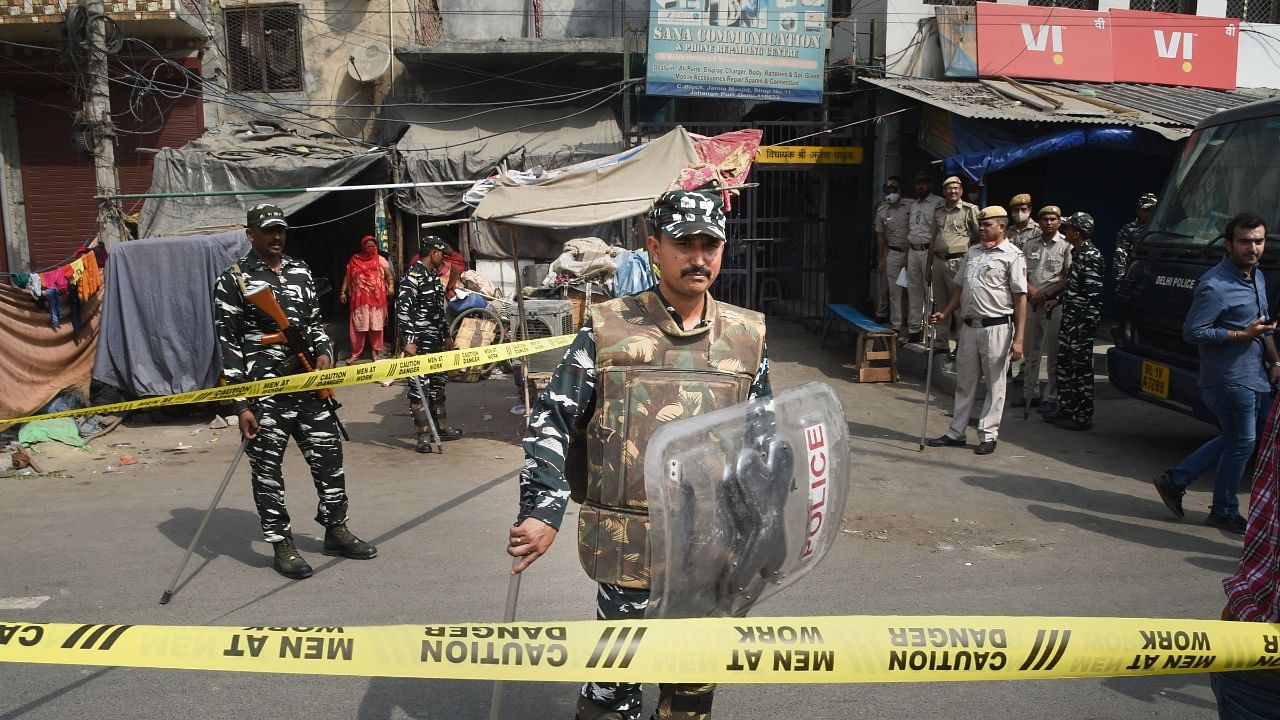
(876, 351)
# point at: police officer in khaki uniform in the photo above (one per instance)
(1048, 257)
(1022, 228)
(920, 253)
(892, 218)
(955, 228)
(992, 307)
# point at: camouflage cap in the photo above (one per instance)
(1081, 221)
(677, 213)
(265, 216)
(1148, 201)
(431, 243)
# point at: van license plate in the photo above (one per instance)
(1155, 380)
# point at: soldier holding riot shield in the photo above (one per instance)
(245, 331)
(667, 353)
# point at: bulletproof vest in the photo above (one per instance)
(650, 371)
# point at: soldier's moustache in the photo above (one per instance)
(703, 269)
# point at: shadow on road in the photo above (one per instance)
(1162, 688)
(230, 532)
(1137, 534)
(389, 698)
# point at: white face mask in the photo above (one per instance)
(892, 198)
(1021, 216)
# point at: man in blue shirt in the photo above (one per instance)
(1229, 323)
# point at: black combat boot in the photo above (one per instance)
(447, 431)
(421, 424)
(338, 540)
(289, 562)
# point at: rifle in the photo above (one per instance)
(263, 298)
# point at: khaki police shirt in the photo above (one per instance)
(1047, 262)
(1023, 236)
(893, 221)
(955, 228)
(920, 228)
(989, 279)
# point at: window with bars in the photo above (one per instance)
(1072, 4)
(1258, 11)
(264, 48)
(1179, 7)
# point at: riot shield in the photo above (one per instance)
(744, 501)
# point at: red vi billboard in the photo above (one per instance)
(1168, 49)
(1044, 42)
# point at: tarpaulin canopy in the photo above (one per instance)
(598, 192)
(39, 361)
(445, 145)
(975, 165)
(157, 334)
(240, 157)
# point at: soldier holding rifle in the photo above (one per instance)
(249, 352)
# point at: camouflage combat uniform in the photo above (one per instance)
(240, 328)
(1128, 236)
(630, 369)
(1081, 309)
(420, 316)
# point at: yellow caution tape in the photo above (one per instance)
(851, 649)
(334, 377)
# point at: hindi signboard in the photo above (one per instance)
(749, 49)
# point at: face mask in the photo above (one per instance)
(892, 197)
(922, 194)
(1021, 216)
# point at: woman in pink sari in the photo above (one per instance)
(364, 289)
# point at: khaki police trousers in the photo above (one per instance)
(981, 352)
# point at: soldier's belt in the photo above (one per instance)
(334, 377)
(852, 649)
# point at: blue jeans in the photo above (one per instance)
(1247, 695)
(1241, 413)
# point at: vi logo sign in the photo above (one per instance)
(1168, 45)
(1044, 38)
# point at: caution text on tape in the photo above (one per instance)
(379, 371)
(849, 649)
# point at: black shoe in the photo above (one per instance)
(1067, 423)
(288, 561)
(986, 447)
(945, 441)
(1050, 417)
(1170, 493)
(1048, 407)
(1233, 524)
(1035, 402)
(915, 337)
(951, 357)
(338, 540)
(424, 443)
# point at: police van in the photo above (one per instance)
(1229, 165)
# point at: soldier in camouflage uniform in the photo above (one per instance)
(1081, 309)
(1130, 234)
(269, 421)
(420, 315)
(663, 354)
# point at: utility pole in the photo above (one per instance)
(101, 134)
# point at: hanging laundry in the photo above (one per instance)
(37, 287)
(55, 279)
(54, 315)
(90, 281)
(73, 308)
(20, 280)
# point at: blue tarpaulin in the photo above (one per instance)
(976, 164)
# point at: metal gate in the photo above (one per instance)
(782, 258)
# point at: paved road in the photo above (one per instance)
(1054, 523)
